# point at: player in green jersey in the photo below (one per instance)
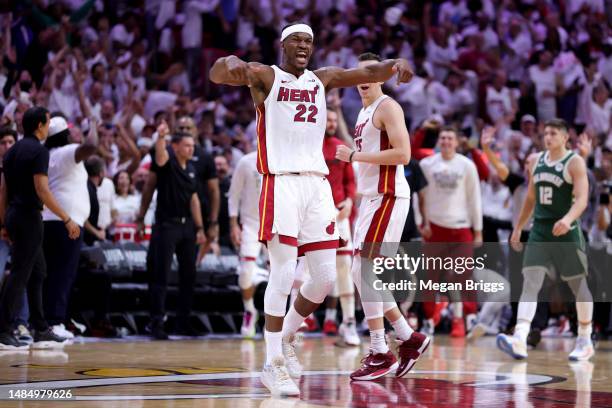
(557, 196)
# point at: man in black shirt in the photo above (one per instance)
(178, 226)
(24, 190)
(207, 183)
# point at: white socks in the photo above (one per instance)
(585, 330)
(274, 345)
(402, 330)
(378, 343)
(521, 330)
(330, 314)
(292, 322)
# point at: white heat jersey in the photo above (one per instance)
(375, 179)
(243, 195)
(291, 125)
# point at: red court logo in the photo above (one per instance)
(330, 228)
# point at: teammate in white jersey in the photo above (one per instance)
(297, 212)
(243, 201)
(383, 147)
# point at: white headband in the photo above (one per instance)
(296, 28)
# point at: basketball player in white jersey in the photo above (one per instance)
(243, 199)
(297, 212)
(383, 147)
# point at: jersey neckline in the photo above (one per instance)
(554, 163)
(289, 73)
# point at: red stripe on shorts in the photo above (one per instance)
(378, 226)
(266, 208)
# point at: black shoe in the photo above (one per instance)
(47, 340)
(157, 330)
(534, 338)
(9, 342)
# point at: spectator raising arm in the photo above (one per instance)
(161, 154)
(486, 140)
(124, 131)
(90, 144)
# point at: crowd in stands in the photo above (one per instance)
(124, 67)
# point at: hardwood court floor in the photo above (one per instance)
(225, 373)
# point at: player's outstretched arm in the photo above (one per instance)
(232, 70)
(391, 119)
(578, 173)
(335, 77)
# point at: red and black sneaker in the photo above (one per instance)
(374, 366)
(330, 328)
(409, 352)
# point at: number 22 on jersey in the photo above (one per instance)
(301, 111)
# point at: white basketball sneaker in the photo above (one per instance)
(512, 345)
(293, 364)
(60, 330)
(348, 334)
(583, 351)
(276, 378)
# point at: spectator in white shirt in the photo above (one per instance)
(68, 183)
(483, 27)
(125, 204)
(517, 48)
(192, 34)
(500, 102)
(63, 96)
(441, 52)
(460, 103)
(543, 76)
(440, 45)
(589, 81)
(335, 54)
(601, 110)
